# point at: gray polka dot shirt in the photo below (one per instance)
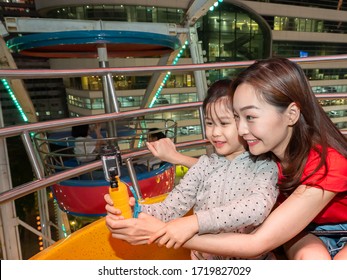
(226, 196)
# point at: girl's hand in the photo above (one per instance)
(176, 232)
(164, 149)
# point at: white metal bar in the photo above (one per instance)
(60, 73)
(33, 186)
(33, 230)
(57, 124)
(42, 25)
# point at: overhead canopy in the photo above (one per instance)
(84, 44)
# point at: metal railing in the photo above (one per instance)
(43, 180)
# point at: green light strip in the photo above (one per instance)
(215, 5)
(178, 56)
(162, 86)
(175, 62)
(14, 99)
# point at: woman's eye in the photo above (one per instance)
(249, 118)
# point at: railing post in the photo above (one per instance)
(108, 89)
(41, 194)
(133, 178)
(197, 58)
(10, 241)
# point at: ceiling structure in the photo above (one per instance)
(66, 38)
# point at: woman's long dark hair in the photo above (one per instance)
(280, 82)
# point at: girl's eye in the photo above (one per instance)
(208, 122)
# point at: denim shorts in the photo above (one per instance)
(334, 243)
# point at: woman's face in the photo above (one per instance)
(263, 127)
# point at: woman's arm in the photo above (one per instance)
(285, 222)
(165, 150)
(178, 202)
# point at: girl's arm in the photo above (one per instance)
(165, 150)
(183, 196)
(284, 223)
(178, 231)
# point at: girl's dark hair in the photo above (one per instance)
(219, 89)
(158, 134)
(80, 130)
(280, 82)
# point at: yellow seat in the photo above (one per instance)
(94, 242)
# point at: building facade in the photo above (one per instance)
(226, 31)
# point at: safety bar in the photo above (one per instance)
(58, 124)
(53, 73)
(23, 130)
(36, 185)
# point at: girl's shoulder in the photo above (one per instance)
(218, 158)
(212, 158)
(212, 161)
(261, 161)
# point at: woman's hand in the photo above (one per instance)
(176, 232)
(134, 231)
(112, 210)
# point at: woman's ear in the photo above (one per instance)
(293, 112)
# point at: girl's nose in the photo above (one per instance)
(216, 131)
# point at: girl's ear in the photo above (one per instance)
(293, 112)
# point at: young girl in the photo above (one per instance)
(276, 111)
(229, 191)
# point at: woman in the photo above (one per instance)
(277, 112)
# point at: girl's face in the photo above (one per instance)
(221, 130)
(261, 124)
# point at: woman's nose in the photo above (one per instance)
(242, 128)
